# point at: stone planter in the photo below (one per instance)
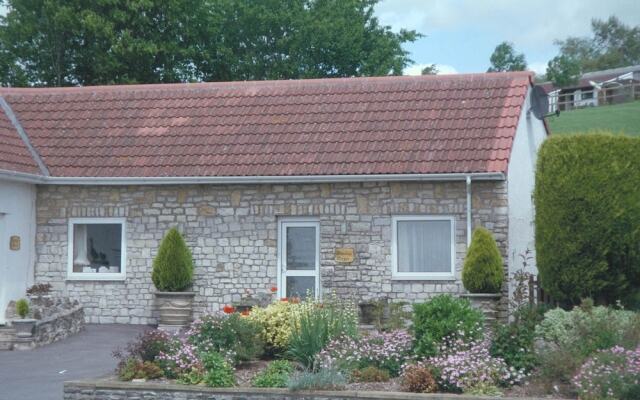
(488, 303)
(24, 327)
(175, 309)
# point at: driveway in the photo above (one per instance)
(38, 374)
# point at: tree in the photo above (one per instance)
(173, 265)
(613, 45)
(482, 271)
(430, 70)
(505, 58)
(75, 42)
(563, 71)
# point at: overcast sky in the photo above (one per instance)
(460, 35)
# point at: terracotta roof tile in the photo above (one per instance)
(14, 154)
(389, 125)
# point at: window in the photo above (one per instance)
(423, 247)
(97, 249)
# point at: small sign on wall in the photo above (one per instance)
(345, 255)
(14, 242)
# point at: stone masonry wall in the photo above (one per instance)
(232, 231)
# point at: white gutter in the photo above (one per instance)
(468, 211)
(220, 180)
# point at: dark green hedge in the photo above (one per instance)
(587, 200)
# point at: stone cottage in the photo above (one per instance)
(366, 186)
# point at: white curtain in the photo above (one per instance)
(424, 246)
(80, 245)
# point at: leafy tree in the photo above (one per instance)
(430, 70)
(505, 58)
(74, 42)
(563, 71)
(613, 45)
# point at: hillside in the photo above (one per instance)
(619, 118)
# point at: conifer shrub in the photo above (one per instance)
(173, 265)
(482, 271)
(587, 218)
(22, 308)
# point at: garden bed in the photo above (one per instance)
(161, 390)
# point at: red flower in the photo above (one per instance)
(228, 309)
(284, 299)
(274, 289)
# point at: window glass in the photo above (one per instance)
(97, 248)
(301, 248)
(424, 246)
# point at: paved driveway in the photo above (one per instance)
(38, 374)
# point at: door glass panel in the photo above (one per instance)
(301, 248)
(299, 286)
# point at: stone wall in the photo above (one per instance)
(232, 230)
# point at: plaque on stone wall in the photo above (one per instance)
(14, 242)
(345, 255)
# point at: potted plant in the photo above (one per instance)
(483, 273)
(172, 275)
(23, 326)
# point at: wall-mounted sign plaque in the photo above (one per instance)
(14, 243)
(345, 255)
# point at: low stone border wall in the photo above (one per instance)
(59, 326)
(114, 390)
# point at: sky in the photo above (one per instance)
(460, 35)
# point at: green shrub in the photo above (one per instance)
(135, 369)
(482, 271)
(323, 379)
(218, 372)
(568, 338)
(22, 308)
(588, 218)
(444, 316)
(223, 333)
(316, 324)
(514, 341)
(173, 265)
(370, 374)
(275, 375)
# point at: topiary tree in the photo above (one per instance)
(482, 271)
(173, 266)
(22, 308)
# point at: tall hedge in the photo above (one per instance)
(173, 265)
(587, 199)
(482, 271)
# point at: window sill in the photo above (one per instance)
(96, 277)
(423, 278)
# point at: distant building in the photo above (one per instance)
(595, 88)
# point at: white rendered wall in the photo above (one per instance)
(520, 182)
(17, 218)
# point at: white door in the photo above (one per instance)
(299, 258)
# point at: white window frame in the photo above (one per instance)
(397, 275)
(104, 276)
(283, 224)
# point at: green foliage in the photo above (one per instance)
(370, 374)
(223, 333)
(22, 308)
(588, 218)
(505, 58)
(482, 271)
(136, 369)
(173, 265)
(275, 321)
(443, 316)
(73, 42)
(431, 69)
(218, 371)
(568, 338)
(323, 379)
(514, 342)
(275, 375)
(612, 45)
(484, 389)
(563, 71)
(316, 324)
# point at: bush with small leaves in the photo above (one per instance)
(173, 266)
(218, 372)
(370, 374)
(133, 368)
(22, 308)
(323, 379)
(418, 378)
(275, 375)
(482, 271)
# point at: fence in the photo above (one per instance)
(569, 100)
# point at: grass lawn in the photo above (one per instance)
(619, 118)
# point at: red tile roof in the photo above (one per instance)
(14, 154)
(388, 125)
